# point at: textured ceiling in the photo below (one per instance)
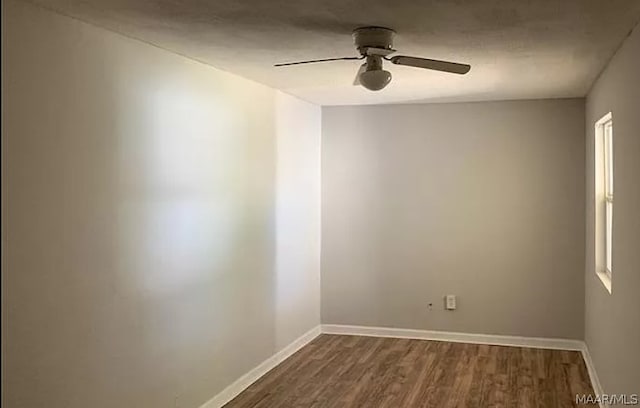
(517, 48)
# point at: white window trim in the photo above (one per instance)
(600, 199)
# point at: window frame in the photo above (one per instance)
(604, 196)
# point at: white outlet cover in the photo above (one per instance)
(450, 302)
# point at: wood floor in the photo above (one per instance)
(354, 371)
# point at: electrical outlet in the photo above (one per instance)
(450, 302)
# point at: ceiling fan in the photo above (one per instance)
(375, 44)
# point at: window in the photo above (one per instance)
(604, 198)
(608, 193)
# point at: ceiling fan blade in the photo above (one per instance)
(356, 80)
(318, 60)
(436, 65)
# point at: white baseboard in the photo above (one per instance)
(498, 340)
(593, 375)
(252, 376)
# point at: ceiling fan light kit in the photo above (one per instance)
(371, 75)
(375, 44)
(375, 80)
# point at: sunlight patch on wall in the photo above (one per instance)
(182, 185)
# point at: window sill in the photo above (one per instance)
(605, 278)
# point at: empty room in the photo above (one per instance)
(320, 203)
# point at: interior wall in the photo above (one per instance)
(160, 219)
(297, 218)
(481, 200)
(612, 321)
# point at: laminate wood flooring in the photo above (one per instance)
(355, 371)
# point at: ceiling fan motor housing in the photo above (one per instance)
(373, 37)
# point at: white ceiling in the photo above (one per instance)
(518, 49)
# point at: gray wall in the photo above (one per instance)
(612, 324)
(481, 200)
(160, 220)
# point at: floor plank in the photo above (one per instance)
(356, 371)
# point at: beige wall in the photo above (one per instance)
(481, 200)
(612, 324)
(160, 220)
(297, 218)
